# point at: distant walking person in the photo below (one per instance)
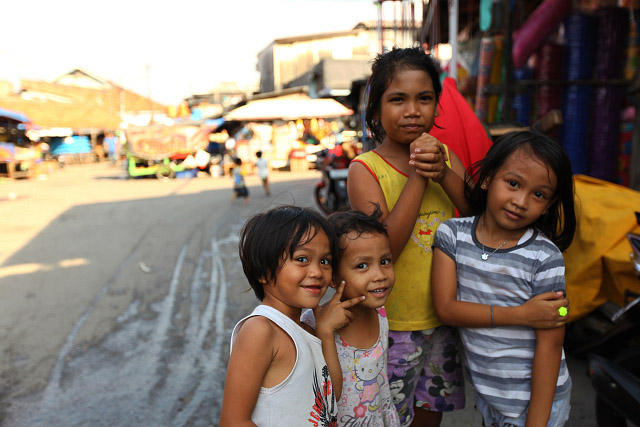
(238, 181)
(263, 171)
(113, 148)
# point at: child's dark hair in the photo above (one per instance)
(258, 154)
(345, 222)
(383, 71)
(237, 161)
(269, 239)
(559, 223)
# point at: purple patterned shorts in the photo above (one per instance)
(425, 370)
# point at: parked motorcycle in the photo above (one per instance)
(331, 190)
(610, 338)
(615, 376)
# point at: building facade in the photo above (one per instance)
(289, 61)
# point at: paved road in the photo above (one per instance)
(117, 298)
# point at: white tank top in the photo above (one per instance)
(305, 397)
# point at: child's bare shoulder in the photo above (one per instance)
(269, 348)
(258, 328)
(261, 333)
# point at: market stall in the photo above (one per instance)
(291, 117)
(564, 67)
(165, 151)
(18, 156)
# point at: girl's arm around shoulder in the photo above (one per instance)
(544, 375)
(251, 359)
(540, 312)
(330, 317)
(364, 190)
(329, 349)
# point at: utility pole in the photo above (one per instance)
(453, 38)
(148, 70)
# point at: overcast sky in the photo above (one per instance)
(184, 46)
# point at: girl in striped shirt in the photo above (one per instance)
(488, 265)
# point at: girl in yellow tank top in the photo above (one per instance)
(410, 308)
(417, 182)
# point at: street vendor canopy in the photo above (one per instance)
(289, 107)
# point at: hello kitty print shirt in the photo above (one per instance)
(366, 399)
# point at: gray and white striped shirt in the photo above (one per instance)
(498, 360)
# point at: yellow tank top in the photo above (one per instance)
(409, 307)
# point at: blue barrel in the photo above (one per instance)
(522, 101)
(613, 31)
(580, 31)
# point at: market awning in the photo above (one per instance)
(14, 115)
(289, 107)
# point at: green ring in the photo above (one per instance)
(562, 311)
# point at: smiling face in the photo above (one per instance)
(520, 192)
(303, 279)
(408, 106)
(366, 268)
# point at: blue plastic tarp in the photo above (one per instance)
(214, 122)
(14, 115)
(76, 144)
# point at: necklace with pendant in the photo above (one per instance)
(485, 256)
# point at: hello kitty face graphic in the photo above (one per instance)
(368, 372)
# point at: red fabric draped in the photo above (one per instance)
(459, 128)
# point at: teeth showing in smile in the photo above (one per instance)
(377, 291)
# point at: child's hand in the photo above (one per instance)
(335, 314)
(541, 311)
(428, 157)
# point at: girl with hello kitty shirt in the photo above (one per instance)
(364, 268)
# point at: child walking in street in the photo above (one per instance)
(281, 372)
(239, 187)
(418, 183)
(507, 253)
(262, 165)
(366, 269)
